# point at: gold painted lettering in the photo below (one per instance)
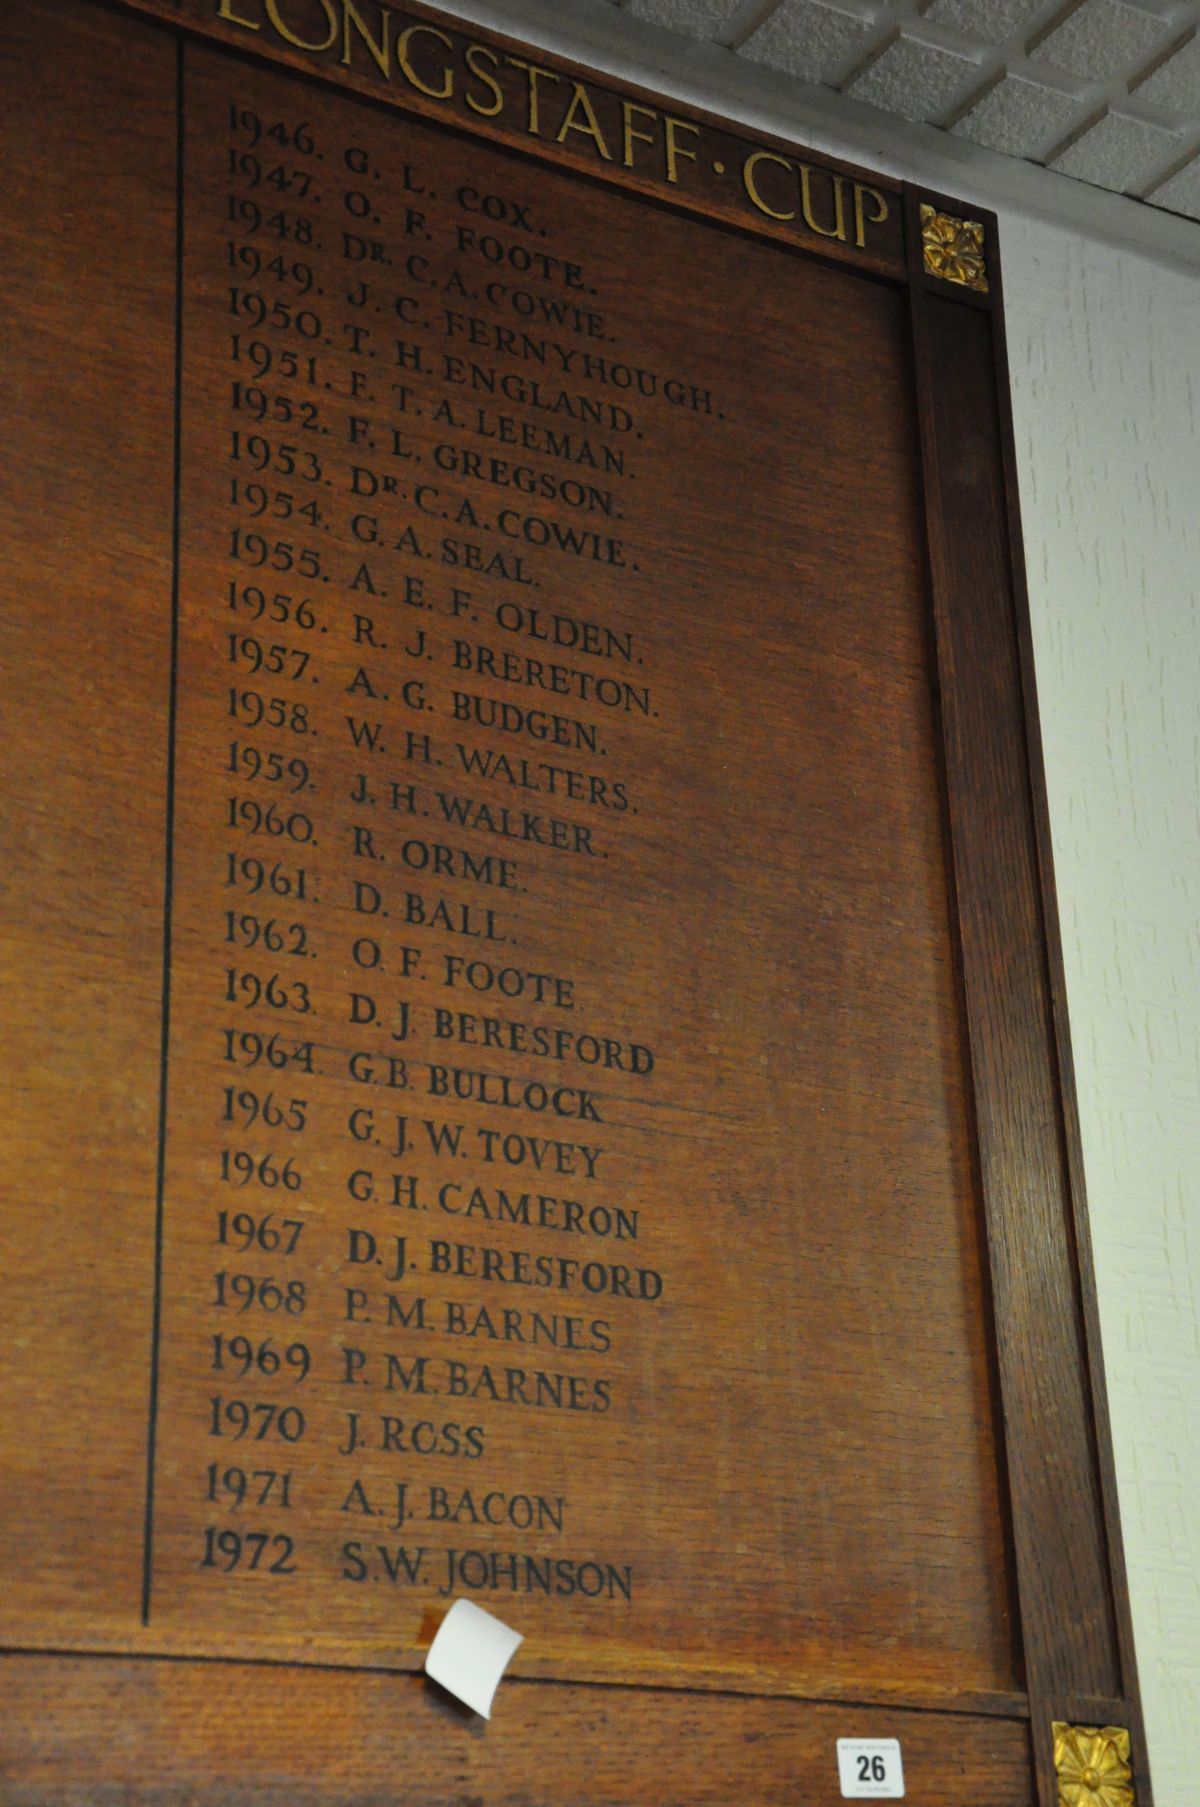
(674, 150)
(225, 11)
(838, 183)
(629, 133)
(750, 183)
(590, 125)
(861, 222)
(404, 61)
(291, 37)
(476, 53)
(533, 71)
(381, 50)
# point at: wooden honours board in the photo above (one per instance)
(537, 1068)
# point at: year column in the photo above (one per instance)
(261, 1357)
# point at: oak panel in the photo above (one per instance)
(222, 1735)
(477, 795)
(88, 402)
(791, 973)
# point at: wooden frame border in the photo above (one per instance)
(1075, 1623)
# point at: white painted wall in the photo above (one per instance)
(1104, 338)
(1105, 351)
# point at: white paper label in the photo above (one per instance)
(470, 1653)
(869, 1769)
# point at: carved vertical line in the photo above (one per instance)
(169, 862)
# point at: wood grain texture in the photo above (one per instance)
(799, 1468)
(425, 62)
(261, 1737)
(1069, 1610)
(87, 532)
(785, 1452)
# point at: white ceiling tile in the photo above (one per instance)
(1175, 85)
(993, 21)
(1019, 117)
(808, 39)
(1118, 153)
(946, 50)
(1182, 193)
(916, 80)
(1104, 39)
(698, 18)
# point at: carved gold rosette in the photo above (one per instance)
(1092, 1765)
(953, 249)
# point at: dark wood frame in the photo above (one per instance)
(1074, 1604)
(1075, 1628)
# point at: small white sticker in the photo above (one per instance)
(470, 1653)
(870, 1769)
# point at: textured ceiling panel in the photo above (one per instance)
(1182, 193)
(1175, 84)
(1105, 91)
(992, 21)
(1118, 153)
(699, 18)
(816, 42)
(915, 79)
(1103, 39)
(1020, 117)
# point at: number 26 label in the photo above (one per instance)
(870, 1769)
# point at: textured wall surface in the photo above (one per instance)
(1105, 354)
